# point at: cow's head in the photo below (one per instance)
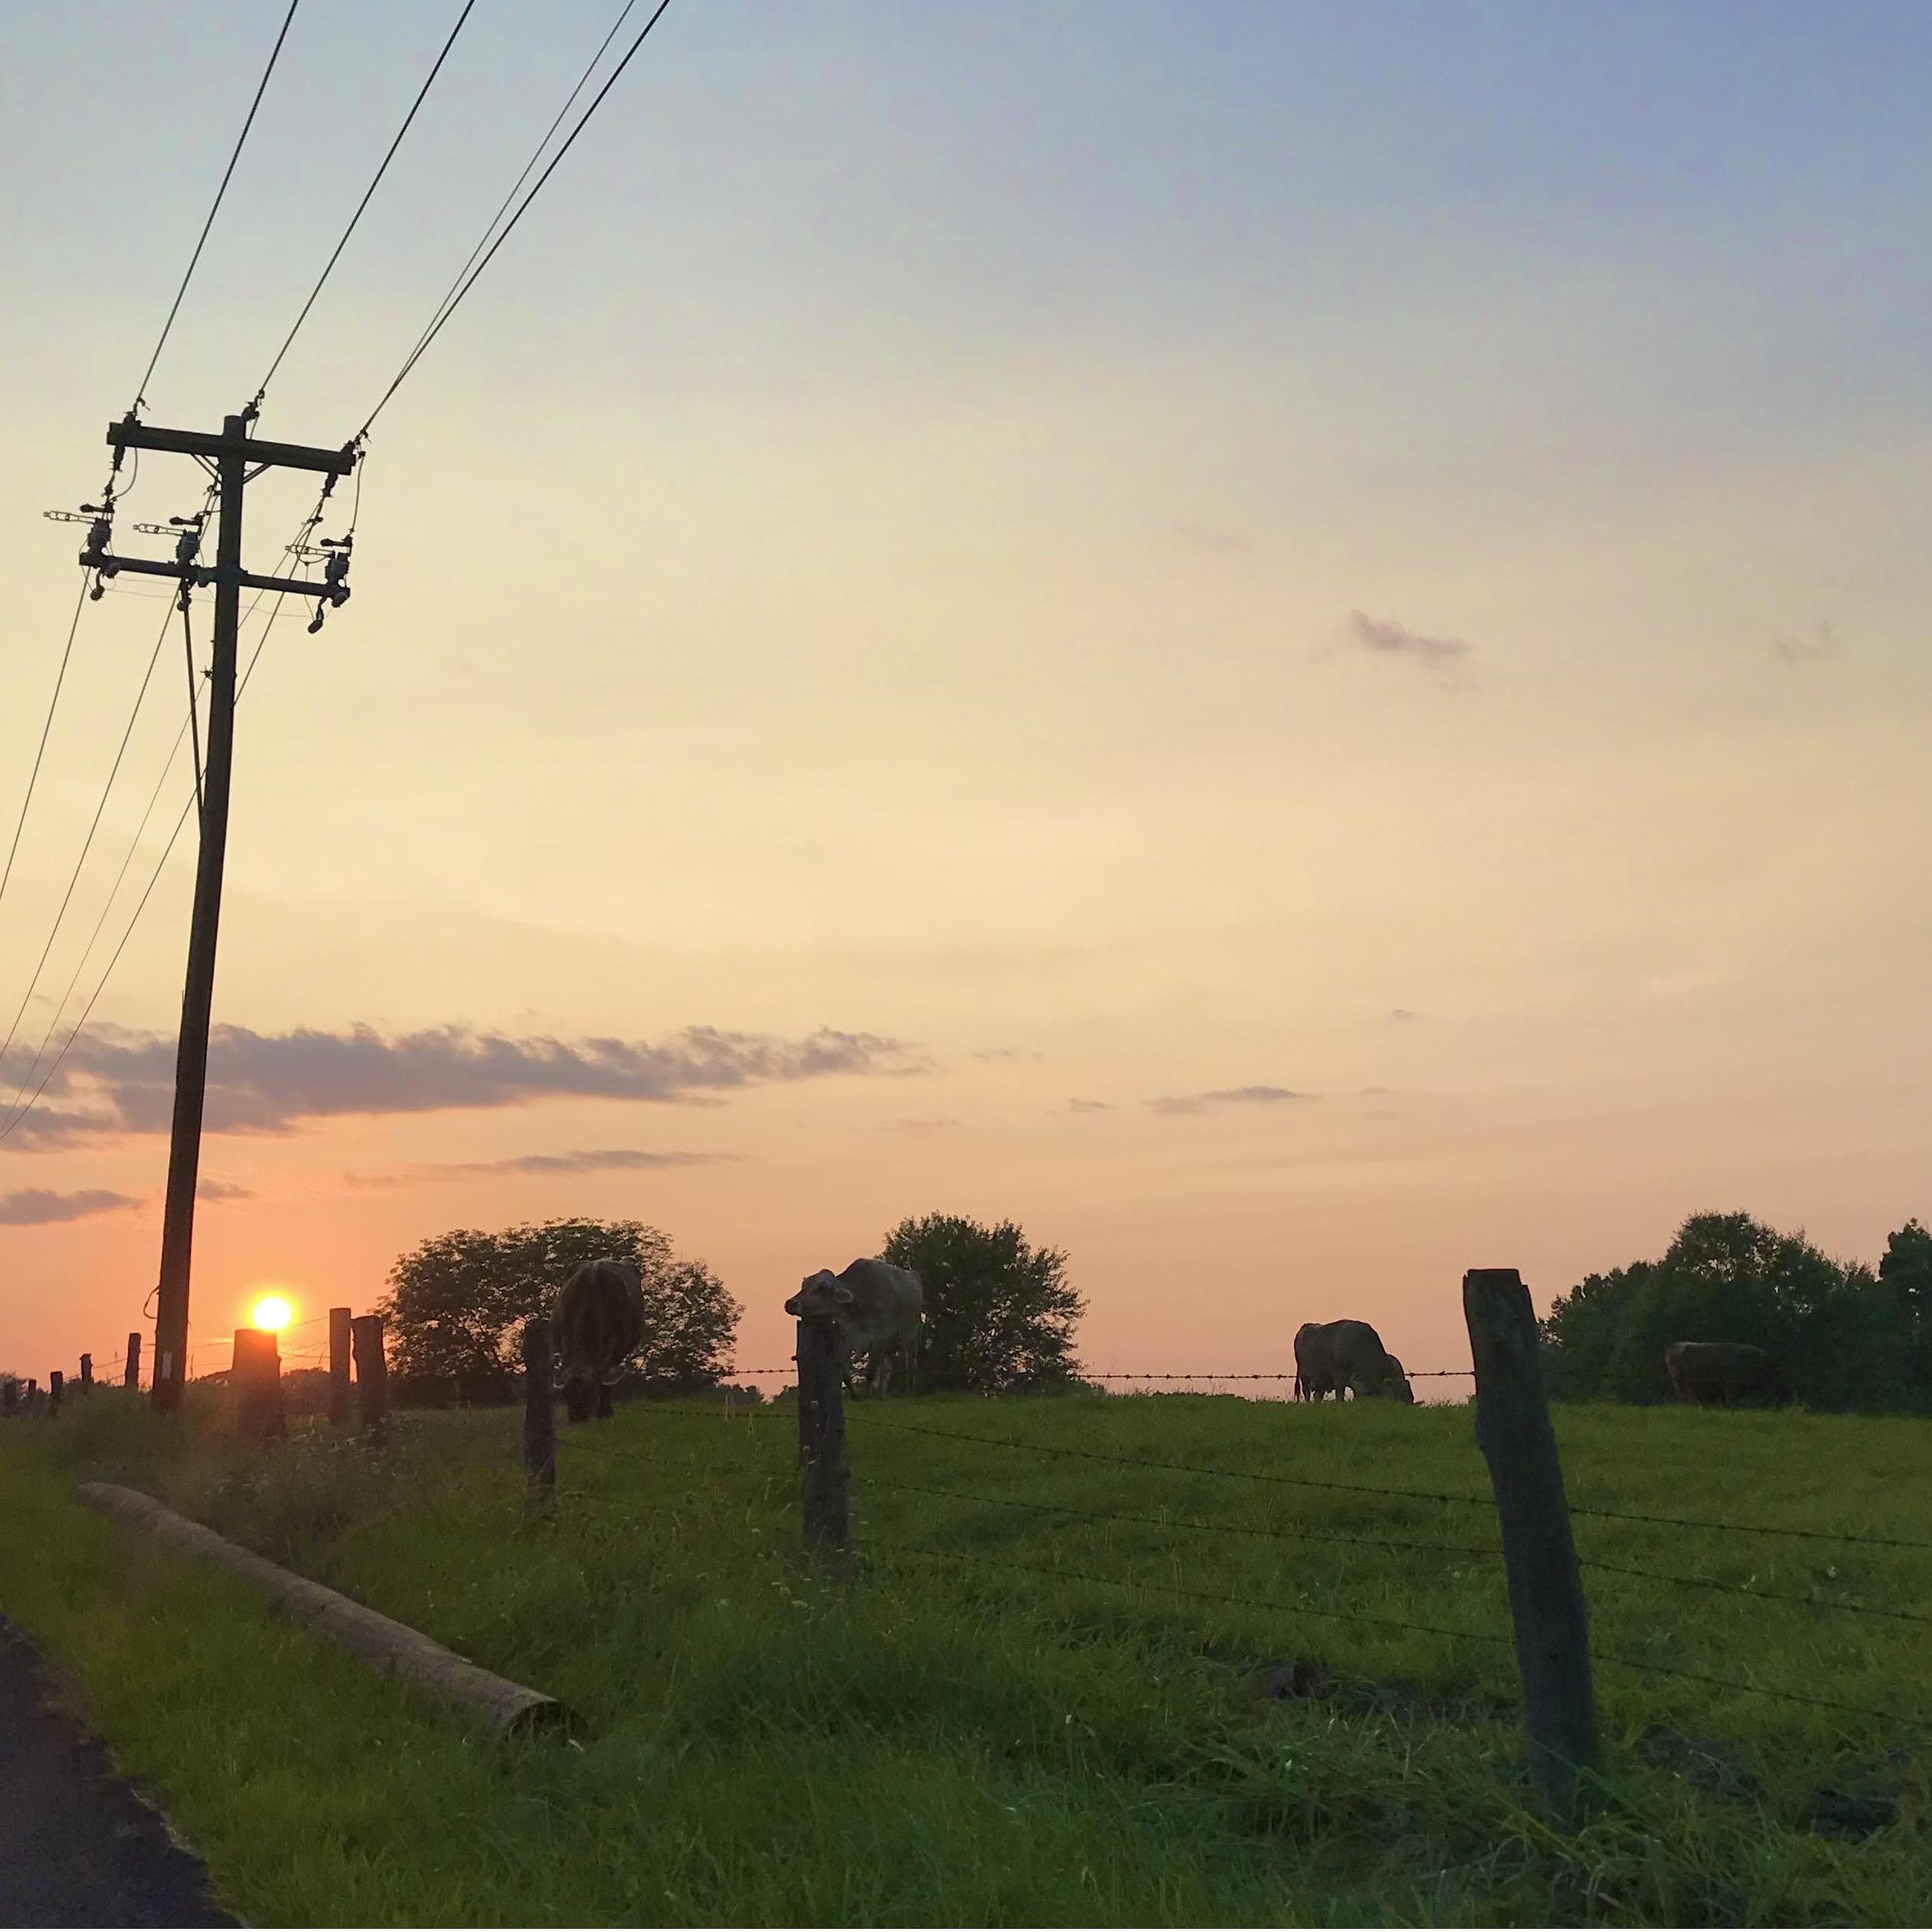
(586, 1392)
(1396, 1383)
(823, 1296)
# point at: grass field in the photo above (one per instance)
(970, 1734)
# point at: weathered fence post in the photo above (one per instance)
(821, 1443)
(338, 1365)
(255, 1369)
(131, 1374)
(1546, 1604)
(372, 1377)
(539, 1413)
(86, 1374)
(56, 1386)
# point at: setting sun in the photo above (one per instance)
(273, 1311)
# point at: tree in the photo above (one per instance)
(1000, 1313)
(1580, 1331)
(1906, 1267)
(457, 1303)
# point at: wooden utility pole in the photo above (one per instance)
(1546, 1603)
(235, 458)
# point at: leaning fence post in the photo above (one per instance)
(56, 1387)
(1546, 1604)
(131, 1374)
(86, 1374)
(372, 1377)
(539, 1413)
(821, 1442)
(338, 1365)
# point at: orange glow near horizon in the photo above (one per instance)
(273, 1311)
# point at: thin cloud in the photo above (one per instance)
(41, 1207)
(1202, 1103)
(1383, 638)
(1206, 536)
(1090, 1106)
(213, 1190)
(1402, 1013)
(273, 1083)
(599, 1160)
(1005, 1055)
(1813, 645)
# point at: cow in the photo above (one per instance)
(877, 1309)
(598, 1326)
(1723, 1373)
(1330, 1357)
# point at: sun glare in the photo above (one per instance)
(273, 1311)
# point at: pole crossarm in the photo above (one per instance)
(201, 575)
(126, 434)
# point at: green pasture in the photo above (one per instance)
(1043, 1698)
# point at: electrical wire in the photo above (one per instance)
(87, 845)
(140, 392)
(483, 240)
(59, 678)
(468, 282)
(368, 194)
(160, 864)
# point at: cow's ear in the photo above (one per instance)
(842, 1295)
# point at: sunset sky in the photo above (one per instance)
(1286, 641)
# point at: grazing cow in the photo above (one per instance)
(1332, 1355)
(1723, 1374)
(877, 1310)
(598, 1326)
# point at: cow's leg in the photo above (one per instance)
(604, 1411)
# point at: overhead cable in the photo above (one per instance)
(141, 393)
(468, 282)
(368, 194)
(59, 678)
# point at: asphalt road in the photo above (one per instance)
(78, 1844)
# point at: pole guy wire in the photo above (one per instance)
(368, 194)
(140, 392)
(451, 303)
(33, 776)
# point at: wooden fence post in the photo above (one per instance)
(539, 1413)
(338, 1365)
(821, 1443)
(372, 1377)
(255, 1369)
(86, 1374)
(56, 1386)
(131, 1374)
(1546, 1603)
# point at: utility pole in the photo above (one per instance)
(235, 459)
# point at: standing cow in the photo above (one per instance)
(1332, 1355)
(598, 1325)
(1723, 1374)
(877, 1309)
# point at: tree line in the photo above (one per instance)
(1000, 1312)
(1847, 1335)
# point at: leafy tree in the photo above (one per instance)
(1580, 1331)
(457, 1303)
(1906, 1268)
(999, 1312)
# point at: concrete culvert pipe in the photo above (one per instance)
(377, 1640)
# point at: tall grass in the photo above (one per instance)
(971, 1733)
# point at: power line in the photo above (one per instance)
(451, 303)
(141, 394)
(160, 865)
(449, 293)
(87, 845)
(59, 678)
(368, 194)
